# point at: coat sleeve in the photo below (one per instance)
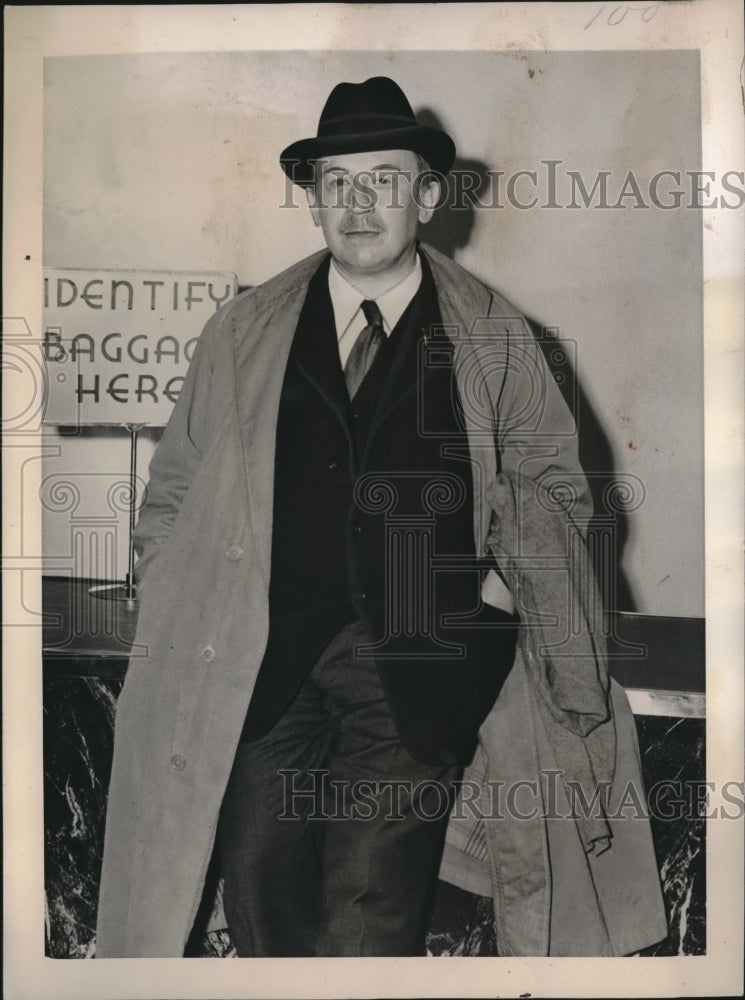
(536, 432)
(178, 454)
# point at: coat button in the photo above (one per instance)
(333, 466)
(178, 763)
(357, 529)
(234, 553)
(208, 654)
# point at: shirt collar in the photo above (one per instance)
(347, 301)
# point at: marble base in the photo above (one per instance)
(78, 743)
(674, 750)
(78, 737)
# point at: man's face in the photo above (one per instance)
(368, 206)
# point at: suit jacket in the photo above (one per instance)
(387, 466)
(204, 538)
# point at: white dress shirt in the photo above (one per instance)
(347, 302)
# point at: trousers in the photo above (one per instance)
(330, 832)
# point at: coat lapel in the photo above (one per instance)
(467, 309)
(263, 331)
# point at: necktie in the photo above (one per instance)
(365, 347)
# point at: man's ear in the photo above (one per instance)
(427, 196)
(310, 193)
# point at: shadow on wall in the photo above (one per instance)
(451, 227)
(613, 495)
(450, 230)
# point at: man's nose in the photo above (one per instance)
(361, 198)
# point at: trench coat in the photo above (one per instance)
(204, 543)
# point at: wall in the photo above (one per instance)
(170, 161)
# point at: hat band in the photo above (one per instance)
(364, 122)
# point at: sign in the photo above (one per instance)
(117, 344)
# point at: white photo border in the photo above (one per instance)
(715, 28)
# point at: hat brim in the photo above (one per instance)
(437, 148)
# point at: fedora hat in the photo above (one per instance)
(360, 118)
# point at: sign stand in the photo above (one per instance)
(126, 591)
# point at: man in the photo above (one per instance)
(325, 625)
